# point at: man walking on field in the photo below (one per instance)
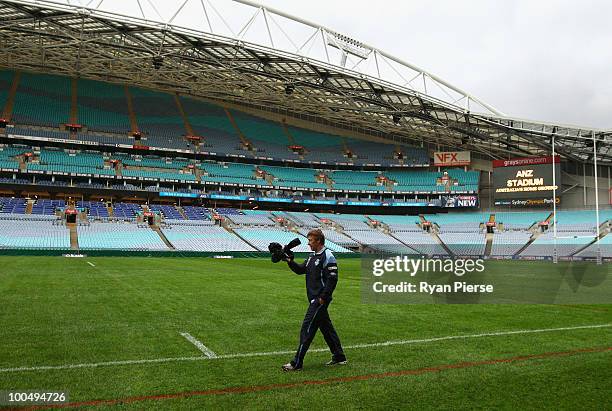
(321, 272)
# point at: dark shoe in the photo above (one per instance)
(290, 366)
(337, 362)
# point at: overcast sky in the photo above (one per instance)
(536, 59)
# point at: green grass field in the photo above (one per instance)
(68, 325)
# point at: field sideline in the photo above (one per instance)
(113, 331)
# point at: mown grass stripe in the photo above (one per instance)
(273, 353)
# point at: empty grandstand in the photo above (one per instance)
(204, 238)
(25, 233)
(179, 143)
(151, 151)
(119, 236)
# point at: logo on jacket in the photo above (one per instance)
(317, 262)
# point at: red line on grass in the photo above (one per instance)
(258, 388)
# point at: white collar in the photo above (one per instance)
(320, 252)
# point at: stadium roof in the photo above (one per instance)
(243, 53)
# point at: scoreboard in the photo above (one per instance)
(526, 181)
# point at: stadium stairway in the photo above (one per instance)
(531, 240)
(29, 207)
(288, 134)
(182, 212)
(22, 164)
(268, 177)
(548, 219)
(162, 236)
(536, 233)
(390, 234)
(602, 234)
(422, 218)
(489, 244)
(362, 247)
(439, 240)
(74, 119)
(184, 117)
(345, 146)
(243, 139)
(229, 229)
(74, 237)
(131, 112)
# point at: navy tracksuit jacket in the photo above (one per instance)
(321, 272)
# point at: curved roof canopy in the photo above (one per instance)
(243, 53)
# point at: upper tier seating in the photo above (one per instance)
(42, 99)
(157, 115)
(322, 147)
(6, 80)
(45, 100)
(103, 107)
(212, 124)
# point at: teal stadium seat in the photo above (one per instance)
(103, 107)
(42, 99)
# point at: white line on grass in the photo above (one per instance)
(272, 353)
(91, 264)
(207, 351)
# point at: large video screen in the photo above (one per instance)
(525, 179)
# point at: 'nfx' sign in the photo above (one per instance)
(451, 158)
